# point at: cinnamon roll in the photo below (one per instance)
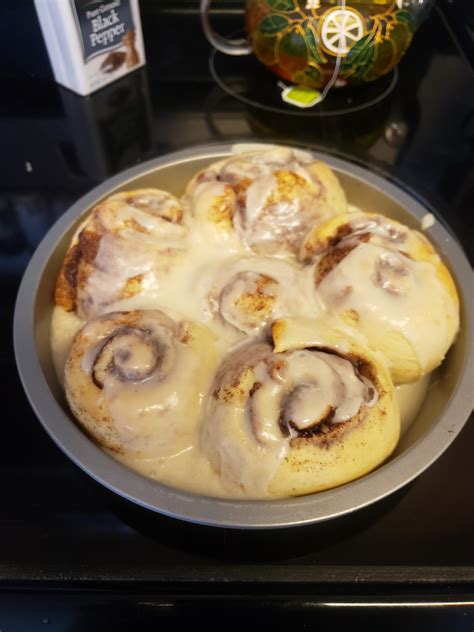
(134, 381)
(129, 240)
(248, 293)
(310, 411)
(271, 198)
(387, 281)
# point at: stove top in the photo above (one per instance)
(58, 528)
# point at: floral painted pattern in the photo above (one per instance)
(301, 40)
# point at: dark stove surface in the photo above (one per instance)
(58, 528)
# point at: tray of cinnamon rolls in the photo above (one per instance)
(247, 336)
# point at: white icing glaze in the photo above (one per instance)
(138, 236)
(245, 465)
(256, 165)
(392, 292)
(334, 385)
(118, 216)
(427, 221)
(245, 148)
(64, 326)
(153, 417)
(257, 195)
(117, 260)
(262, 222)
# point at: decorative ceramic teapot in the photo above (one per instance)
(321, 42)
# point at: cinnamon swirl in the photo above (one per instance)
(311, 411)
(134, 381)
(248, 293)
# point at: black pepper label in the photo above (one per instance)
(102, 24)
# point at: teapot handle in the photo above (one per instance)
(230, 47)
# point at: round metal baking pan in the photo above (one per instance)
(444, 412)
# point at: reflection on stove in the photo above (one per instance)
(111, 129)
